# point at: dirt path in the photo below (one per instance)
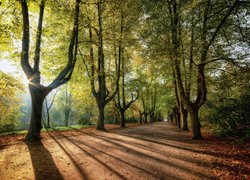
(156, 151)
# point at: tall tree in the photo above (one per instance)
(121, 94)
(207, 39)
(38, 91)
(97, 71)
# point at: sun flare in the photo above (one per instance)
(26, 80)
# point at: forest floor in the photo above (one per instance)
(153, 151)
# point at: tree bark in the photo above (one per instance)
(66, 113)
(48, 114)
(184, 117)
(48, 121)
(141, 119)
(185, 120)
(178, 117)
(196, 126)
(38, 92)
(145, 118)
(37, 97)
(101, 118)
(123, 121)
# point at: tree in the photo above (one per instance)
(121, 95)
(207, 40)
(10, 102)
(37, 91)
(68, 102)
(98, 75)
(208, 18)
(48, 107)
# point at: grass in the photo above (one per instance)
(59, 128)
(64, 128)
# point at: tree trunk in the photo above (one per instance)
(123, 119)
(196, 126)
(177, 117)
(101, 117)
(116, 120)
(67, 112)
(37, 98)
(151, 117)
(140, 117)
(184, 116)
(145, 118)
(48, 119)
(184, 120)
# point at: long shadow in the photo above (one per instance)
(141, 146)
(93, 157)
(173, 138)
(175, 146)
(2, 147)
(42, 161)
(140, 154)
(215, 154)
(176, 156)
(112, 156)
(76, 142)
(79, 169)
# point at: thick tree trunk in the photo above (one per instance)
(37, 98)
(184, 116)
(176, 112)
(196, 126)
(101, 118)
(185, 120)
(123, 122)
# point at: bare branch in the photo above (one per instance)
(66, 73)
(26, 41)
(38, 37)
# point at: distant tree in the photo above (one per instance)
(67, 105)
(10, 102)
(48, 107)
(121, 103)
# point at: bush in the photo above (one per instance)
(85, 119)
(7, 128)
(232, 116)
(132, 120)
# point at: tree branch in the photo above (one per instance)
(66, 73)
(26, 41)
(38, 37)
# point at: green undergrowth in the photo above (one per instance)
(59, 128)
(66, 128)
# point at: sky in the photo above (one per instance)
(13, 69)
(7, 66)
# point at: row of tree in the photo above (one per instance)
(166, 53)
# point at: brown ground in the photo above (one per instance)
(155, 151)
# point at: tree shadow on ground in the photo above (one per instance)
(121, 145)
(85, 152)
(42, 161)
(81, 171)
